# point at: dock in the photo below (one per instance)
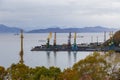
(96, 46)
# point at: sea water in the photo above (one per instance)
(10, 48)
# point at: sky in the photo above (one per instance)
(61, 13)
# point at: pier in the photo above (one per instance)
(94, 46)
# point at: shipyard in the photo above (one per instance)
(94, 46)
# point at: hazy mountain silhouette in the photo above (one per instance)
(7, 29)
(79, 30)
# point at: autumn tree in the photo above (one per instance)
(68, 74)
(93, 67)
(54, 72)
(19, 72)
(113, 59)
(2, 72)
(41, 73)
(116, 38)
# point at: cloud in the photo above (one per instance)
(60, 12)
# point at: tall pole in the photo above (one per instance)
(111, 44)
(75, 39)
(75, 45)
(104, 36)
(48, 40)
(111, 34)
(21, 52)
(97, 40)
(55, 39)
(69, 40)
(91, 39)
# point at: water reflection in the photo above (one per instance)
(52, 58)
(48, 58)
(69, 58)
(55, 58)
(75, 56)
(61, 59)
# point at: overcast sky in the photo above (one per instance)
(69, 13)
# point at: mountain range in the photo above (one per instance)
(78, 30)
(7, 29)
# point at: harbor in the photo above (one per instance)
(59, 58)
(93, 46)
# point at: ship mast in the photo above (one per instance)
(21, 52)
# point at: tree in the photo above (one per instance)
(68, 74)
(41, 72)
(93, 67)
(2, 72)
(116, 38)
(113, 59)
(19, 72)
(46, 78)
(54, 72)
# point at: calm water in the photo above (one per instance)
(10, 47)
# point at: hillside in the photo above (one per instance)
(78, 30)
(7, 29)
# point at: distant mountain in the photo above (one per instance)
(6, 29)
(78, 30)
